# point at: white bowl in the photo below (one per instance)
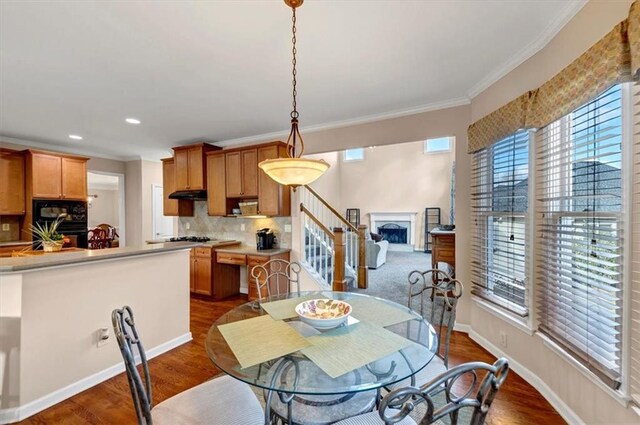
(323, 313)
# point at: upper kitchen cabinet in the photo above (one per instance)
(273, 198)
(190, 166)
(173, 207)
(242, 174)
(216, 195)
(12, 197)
(234, 175)
(52, 176)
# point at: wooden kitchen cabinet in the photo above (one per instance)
(242, 173)
(173, 207)
(190, 166)
(274, 199)
(51, 176)
(216, 194)
(211, 279)
(12, 183)
(74, 178)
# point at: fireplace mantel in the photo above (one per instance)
(379, 217)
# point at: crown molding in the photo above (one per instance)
(451, 103)
(554, 27)
(58, 148)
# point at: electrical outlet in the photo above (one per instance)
(503, 339)
(102, 337)
(242, 227)
(6, 227)
(188, 226)
(287, 228)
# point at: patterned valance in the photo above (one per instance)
(633, 33)
(612, 60)
(499, 124)
(606, 63)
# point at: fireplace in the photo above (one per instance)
(394, 233)
(397, 227)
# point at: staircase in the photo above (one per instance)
(334, 249)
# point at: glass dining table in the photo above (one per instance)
(295, 385)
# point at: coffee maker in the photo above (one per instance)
(265, 239)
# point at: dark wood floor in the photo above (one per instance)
(188, 365)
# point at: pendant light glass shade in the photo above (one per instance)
(294, 171)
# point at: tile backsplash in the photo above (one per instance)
(201, 224)
(10, 228)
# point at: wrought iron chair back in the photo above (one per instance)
(127, 337)
(478, 395)
(276, 277)
(437, 290)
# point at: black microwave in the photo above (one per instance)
(69, 211)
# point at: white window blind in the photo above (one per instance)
(499, 195)
(634, 349)
(580, 234)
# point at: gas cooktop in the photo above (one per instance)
(190, 239)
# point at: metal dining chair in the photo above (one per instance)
(434, 294)
(276, 277)
(220, 401)
(478, 395)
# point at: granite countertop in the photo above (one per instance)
(250, 250)
(16, 264)
(211, 244)
(15, 243)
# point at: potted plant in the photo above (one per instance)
(47, 233)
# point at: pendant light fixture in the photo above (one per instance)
(294, 170)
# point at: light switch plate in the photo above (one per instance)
(242, 227)
(5, 227)
(287, 228)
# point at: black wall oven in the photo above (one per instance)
(74, 219)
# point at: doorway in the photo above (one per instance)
(105, 202)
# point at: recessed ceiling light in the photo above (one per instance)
(75, 137)
(132, 121)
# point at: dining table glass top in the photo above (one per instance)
(297, 372)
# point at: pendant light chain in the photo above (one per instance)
(294, 113)
(294, 136)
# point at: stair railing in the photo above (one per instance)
(329, 235)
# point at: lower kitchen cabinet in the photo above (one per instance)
(211, 279)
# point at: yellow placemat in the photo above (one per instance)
(285, 309)
(378, 312)
(349, 347)
(257, 340)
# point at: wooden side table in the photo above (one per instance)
(444, 248)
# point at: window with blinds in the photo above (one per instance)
(580, 231)
(499, 195)
(634, 349)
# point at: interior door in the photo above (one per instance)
(162, 225)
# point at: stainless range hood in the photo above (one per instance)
(193, 195)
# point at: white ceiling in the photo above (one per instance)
(221, 70)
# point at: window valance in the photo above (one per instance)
(612, 60)
(499, 124)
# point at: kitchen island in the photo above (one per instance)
(54, 309)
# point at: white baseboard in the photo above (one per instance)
(561, 407)
(16, 414)
(461, 327)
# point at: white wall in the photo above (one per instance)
(104, 208)
(61, 309)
